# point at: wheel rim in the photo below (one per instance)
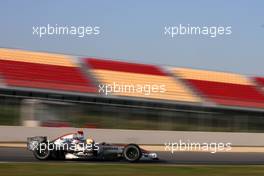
(42, 154)
(132, 153)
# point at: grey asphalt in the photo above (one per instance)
(9, 154)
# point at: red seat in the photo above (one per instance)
(34, 75)
(260, 81)
(229, 94)
(124, 67)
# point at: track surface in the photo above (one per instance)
(22, 155)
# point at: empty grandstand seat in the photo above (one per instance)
(259, 81)
(41, 70)
(223, 88)
(124, 73)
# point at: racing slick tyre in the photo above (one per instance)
(132, 153)
(42, 154)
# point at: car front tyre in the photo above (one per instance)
(132, 153)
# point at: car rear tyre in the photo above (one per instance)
(42, 154)
(132, 153)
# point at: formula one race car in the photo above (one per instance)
(75, 146)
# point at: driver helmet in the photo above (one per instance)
(89, 141)
(80, 135)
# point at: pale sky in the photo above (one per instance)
(133, 31)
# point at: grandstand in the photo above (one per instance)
(123, 73)
(43, 71)
(65, 74)
(194, 99)
(227, 89)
